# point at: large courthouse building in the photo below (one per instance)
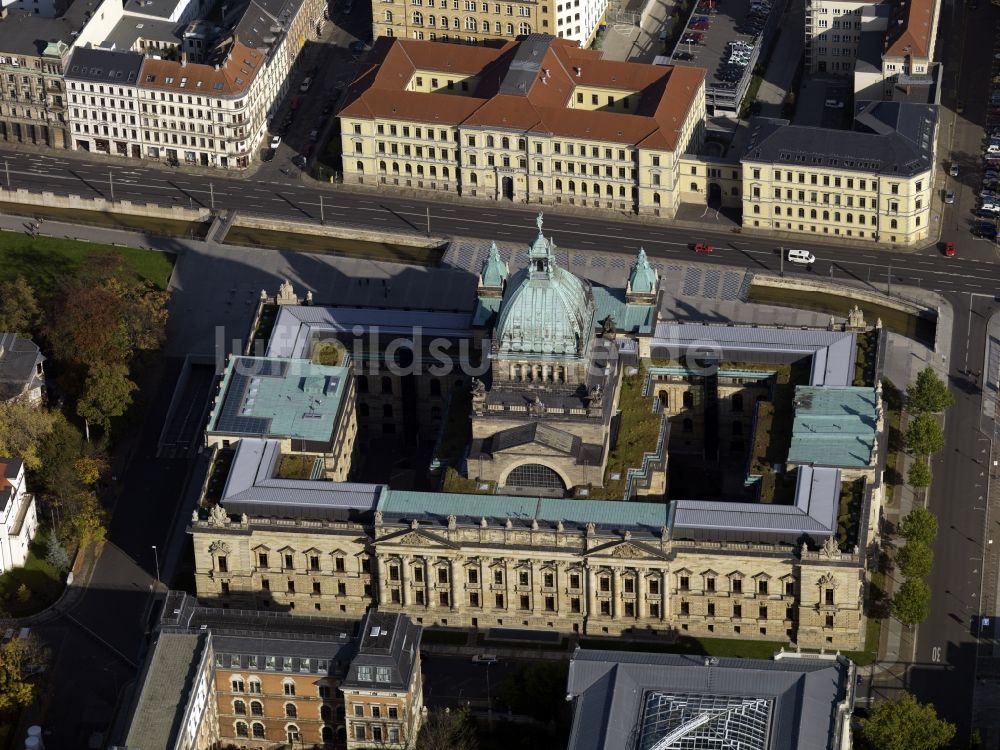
(540, 553)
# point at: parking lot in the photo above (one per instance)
(988, 205)
(812, 108)
(710, 47)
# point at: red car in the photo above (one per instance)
(949, 249)
(702, 248)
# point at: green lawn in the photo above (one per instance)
(296, 466)
(45, 583)
(46, 261)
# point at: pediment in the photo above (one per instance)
(630, 550)
(414, 538)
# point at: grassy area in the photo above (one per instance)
(295, 466)
(217, 478)
(742, 648)
(637, 434)
(317, 243)
(148, 224)
(893, 400)
(852, 496)
(455, 482)
(751, 95)
(917, 328)
(864, 363)
(46, 261)
(43, 582)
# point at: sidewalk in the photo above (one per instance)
(784, 61)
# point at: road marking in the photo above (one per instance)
(936, 654)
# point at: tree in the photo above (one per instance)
(89, 469)
(924, 435)
(919, 475)
(929, 394)
(86, 517)
(20, 659)
(23, 429)
(905, 724)
(915, 560)
(448, 730)
(56, 554)
(920, 525)
(107, 393)
(19, 310)
(911, 603)
(58, 474)
(537, 689)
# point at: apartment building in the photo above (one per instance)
(22, 372)
(228, 678)
(18, 515)
(536, 121)
(200, 96)
(477, 22)
(34, 47)
(383, 690)
(833, 32)
(871, 184)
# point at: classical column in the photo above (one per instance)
(591, 592)
(616, 593)
(664, 594)
(484, 583)
(429, 583)
(537, 599)
(404, 578)
(382, 575)
(642, 608)
(453, 570)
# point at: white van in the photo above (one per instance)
(803, 257)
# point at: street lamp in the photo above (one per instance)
(156, 558)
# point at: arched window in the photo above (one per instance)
(240, 708)
(572, 186)
(255, 686)
(489, 141)
(694, 186)
(510, 29)
(525, 29)
(381, 166)
(505, 142)
(522, 143)
(826, 216)
(812, 213)
(327, 734)
(445, 172)
(420, 170)
(688, 425)
(362, 384)
(386, 384)
(409, 168)
(395, 168)
(656, 199)
(836, 215)
(242, 730)
(291, 712)
(498, 28)
(435, 387)
(486, 27)
(418, 18)
(388, 16)
(583, 188)
(292, 732)
(325, 712)
(559, 185)
(360, 166)
(473, 178)
(688, 399)
(362, 410)
(610, 191)
(256, 708)
(258, 730)
(894, 224)
(777, 210)
(387, 411)
(756, 209)
(541, 186)
(431, 21)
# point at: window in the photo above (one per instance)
(291, 712)
(574, 580)
(376, 712)
(316, 588)
(683, 583)
(237, 685)
(242, 730)
(359, 709)
(525, 601)
(738, 611)
(549, 580)
(223, 564)
(737, 585)
(789, 588)
(339, 564)
(442, 575)
(289, 687)
(685, 608)
(761, 587)
(499, 601)
(313, 562)
(393, 712)
(258, 730)
(498, 576)
(359, 732)
(473, 576)
(522, 578)
(289, 561)
(654, 586)
(710, 584)
(383, 674)
(255, 685)
(829, 597)
(262, 559)
(239, 707)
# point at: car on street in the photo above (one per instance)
(985, 229)
(949, 249)
(701, 247)
(802, 257)
(304, 86)
(314, 135)
(485, 659)
(275, 141)
(299, 161)
(949, 196)
(833, 104)
(267, 155)
(953, 170)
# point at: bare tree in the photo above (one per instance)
(448, 730)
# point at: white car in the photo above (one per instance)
(275, 141)
(949, 197)
(833, 104)
(802, 257)
(306, 83)
(485, 658)
(993, 208)
(953, 170)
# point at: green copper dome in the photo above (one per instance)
(546, 309)
(495, 271)
(643, 278)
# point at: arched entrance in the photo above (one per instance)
(714, 195)
(535, 475)
(507, 188)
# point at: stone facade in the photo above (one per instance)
(571, 580)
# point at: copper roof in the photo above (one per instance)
(233, 76)
(909, 31)
(527, 86)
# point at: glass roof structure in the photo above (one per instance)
(675, 721)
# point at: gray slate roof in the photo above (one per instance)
(524, 67)
(104, 66)
(390, 641)
(609, 688)
(18, 359)
(903, 152)
(156, 721)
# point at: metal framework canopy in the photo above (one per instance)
(673, 721)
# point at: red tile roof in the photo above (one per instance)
(909, 31)
(666, 93)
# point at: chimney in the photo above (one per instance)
(184, 59)
(577, 70)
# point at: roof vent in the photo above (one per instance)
(577, 70)
(375, 632)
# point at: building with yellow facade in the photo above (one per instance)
(536, 121)
(873, 183)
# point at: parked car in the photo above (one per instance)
(953, 170)
(314, 135)
(949, 249)
(267, 155)
(306, 83)
(949, 197)
(985, 229)
(833, 104)
(485, 659)
(275, 141)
